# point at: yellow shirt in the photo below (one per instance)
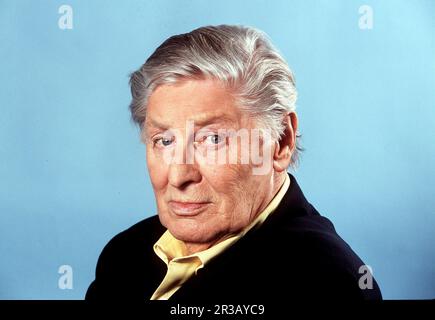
(181, 266)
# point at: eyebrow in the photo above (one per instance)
(199, 121)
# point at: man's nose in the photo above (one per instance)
(183, 168)
(181, 175)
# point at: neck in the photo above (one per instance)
(276, 183)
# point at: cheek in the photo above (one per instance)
(226, 181)
(157, 169)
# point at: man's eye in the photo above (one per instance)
(163, 141)
(213, 139)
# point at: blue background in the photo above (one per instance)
(72, 168)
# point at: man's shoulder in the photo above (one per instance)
(315, 230)
(309, 247)
(315, 235)
(288, 224)
(141, 235)
(296, 218)
(128, 262)
(309, 238)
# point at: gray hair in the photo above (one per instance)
(242, 58)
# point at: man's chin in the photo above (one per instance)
(189, 230)
(188, 236)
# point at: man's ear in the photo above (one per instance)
(285, 147)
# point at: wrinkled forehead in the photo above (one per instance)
(204, 102)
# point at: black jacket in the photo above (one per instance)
(295, 254)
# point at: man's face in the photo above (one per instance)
(200, 201)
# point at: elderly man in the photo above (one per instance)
(216, 109)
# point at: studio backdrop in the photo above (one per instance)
(72, 167)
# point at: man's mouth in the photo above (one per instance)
(187, 208)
